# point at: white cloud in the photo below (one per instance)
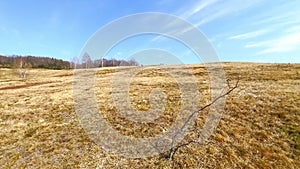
(276, 16)
(158, 38)
(249, 35)
(196, 8)
(206, 11)
(257, 44)
(284, 43)
(219, 10)
(293, 29)
(225, 8)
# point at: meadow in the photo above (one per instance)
(259, 127)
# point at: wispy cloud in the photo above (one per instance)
(158, 38)
(276, 17)
(284, 43)
(282, 28)
(200, 14)
(249, 35)
(196, 8)
(224, 8)
(205, 11)
(293, 29)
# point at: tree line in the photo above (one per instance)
(33, 62)
(86, 62)
(53, 63)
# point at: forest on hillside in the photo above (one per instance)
(53, 63)
(33, 62)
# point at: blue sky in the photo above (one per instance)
(239, 30)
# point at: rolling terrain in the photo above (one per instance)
(259, 128)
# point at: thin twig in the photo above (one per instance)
(173, 149)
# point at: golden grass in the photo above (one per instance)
(259, 127)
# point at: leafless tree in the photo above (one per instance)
(22, 68)
(74, 62)
(86, 59)
(174, 149)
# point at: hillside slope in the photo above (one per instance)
(259, 127)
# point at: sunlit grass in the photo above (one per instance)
(259, 127)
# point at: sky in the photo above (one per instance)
(238, 30)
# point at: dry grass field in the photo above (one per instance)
(259, 128)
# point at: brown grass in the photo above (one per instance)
(259, 127)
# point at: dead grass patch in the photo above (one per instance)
(259, 127)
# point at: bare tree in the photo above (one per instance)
(21, 68)
(174, 149)
(101, 61)
(86, 59)
(133, 62)
(74, 61)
